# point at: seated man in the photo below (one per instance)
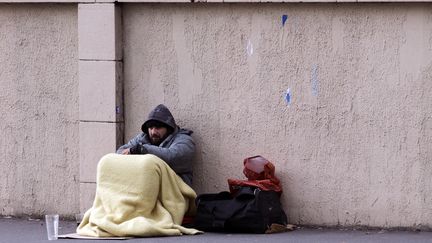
(162, 137)
(144, 189)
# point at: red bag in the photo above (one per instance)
(259, 173)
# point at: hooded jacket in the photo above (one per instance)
(177, 150)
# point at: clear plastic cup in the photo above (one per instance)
(52, 221)
(78, 218)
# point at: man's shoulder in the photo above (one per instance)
(140, 137)
(183, 135)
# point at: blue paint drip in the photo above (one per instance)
(284, 19)
(288, 97)
(117, 109)
(314, 80)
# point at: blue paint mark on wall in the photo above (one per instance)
(287, 97)
(314, 80)
(284, 19)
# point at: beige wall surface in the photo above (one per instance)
(39, 102)
(353, 147)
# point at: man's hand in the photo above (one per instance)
(137, 149)
(126, 151)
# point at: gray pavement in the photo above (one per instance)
(14, 230)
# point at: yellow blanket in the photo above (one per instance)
(138, 195)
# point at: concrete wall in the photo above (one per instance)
(39, 102)
(354, 145)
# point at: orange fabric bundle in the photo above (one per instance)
(259, 173)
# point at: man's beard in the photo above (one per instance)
(156, 140)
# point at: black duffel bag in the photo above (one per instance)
(251, 210)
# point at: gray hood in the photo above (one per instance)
(162, 114)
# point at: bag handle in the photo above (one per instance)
(224, 195)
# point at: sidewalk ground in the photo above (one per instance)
(14, 230)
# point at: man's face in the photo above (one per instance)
(157, 134)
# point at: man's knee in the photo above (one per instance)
(147, 162)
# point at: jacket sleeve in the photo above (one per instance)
(134, 141)
(178, 155)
